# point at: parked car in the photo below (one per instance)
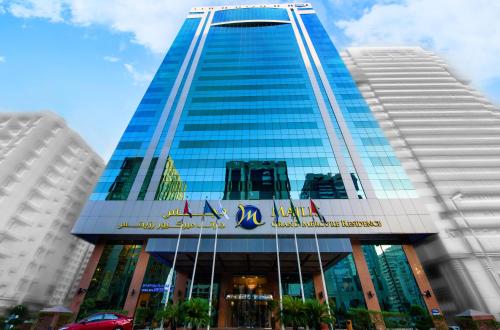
(102, 321)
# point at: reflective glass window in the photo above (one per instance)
(118, 177)
(250, 14)
(344, 288)
(251, 127)
(392, 277)
(109, 286)
(388, 180)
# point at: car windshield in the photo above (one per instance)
(92, 318)
(110, 317)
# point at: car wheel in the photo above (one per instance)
(119, 328)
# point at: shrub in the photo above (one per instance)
(421, 318)
(294, 312)
(361, 319)
(143, 315)
(317, 314)
(196, 313)
(172, 314)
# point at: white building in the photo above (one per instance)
(46, 174)
(448, 138)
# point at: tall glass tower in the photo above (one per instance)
(252, 84)
(253, 103)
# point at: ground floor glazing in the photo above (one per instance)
(125, 277)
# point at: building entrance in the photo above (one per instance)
(251, 301)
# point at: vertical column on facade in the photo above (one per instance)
(366, 284)
(223, 314)
(86, 278)
(351, 147)
(134, 289)
(318, 292)
(141, 174)
(156, 177)
(318, 287)
(330, 131)
(180, 287)
(424, 286)
(274, 285)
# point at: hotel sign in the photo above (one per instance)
(254, 218)
(247, 217)
(151, 225)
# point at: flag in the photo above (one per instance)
(294, 212)
(314, 209)
(209, 209)
(220, 210)
(168, 285)
(276, 212)
(187, 210)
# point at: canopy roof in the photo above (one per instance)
(57, 310)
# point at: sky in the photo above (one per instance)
(91, 61)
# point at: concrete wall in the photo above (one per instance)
(46, 174)
(447, 137)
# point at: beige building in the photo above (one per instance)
(447, 137)
(46, 174)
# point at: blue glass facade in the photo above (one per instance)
(250, 14)
(383, 168)
(252, 104)
(117, 179)
(252, 99)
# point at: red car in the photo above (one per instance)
(102, 321)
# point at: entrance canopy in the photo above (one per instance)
(257, 255)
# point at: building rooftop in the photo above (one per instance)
(282, 5)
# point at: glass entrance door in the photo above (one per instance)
(250, 302)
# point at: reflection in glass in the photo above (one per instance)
(388, 178)
(171, 186)
(251, 105)
(392, 277)
(344, 287)
(323, 186)
(256, 180)
(147, 179)
(109, 285)
(125, 179)
(291, 285)
(152, 289)
(137, 137)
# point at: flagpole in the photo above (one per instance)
(300, 270)
(294, 212)
(279, 266)
(196, 257)
(173, 267)
(212, 276)
(321, 267)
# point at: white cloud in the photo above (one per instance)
(49, 9)
(111, 59)
(152, 23)
(464, 32)
(2, 59)
(138, 77)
